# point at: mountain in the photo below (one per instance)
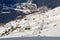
(25, 22)
(53, 23)
(49, 3)
(35, 24)
(6, 17)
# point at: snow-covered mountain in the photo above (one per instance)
(34, 24)
(35, 21)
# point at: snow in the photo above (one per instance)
(27, 10)
(51, 32)
(5, 12)
(41, 24)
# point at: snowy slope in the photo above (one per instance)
(53, 23)
(38, 24)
